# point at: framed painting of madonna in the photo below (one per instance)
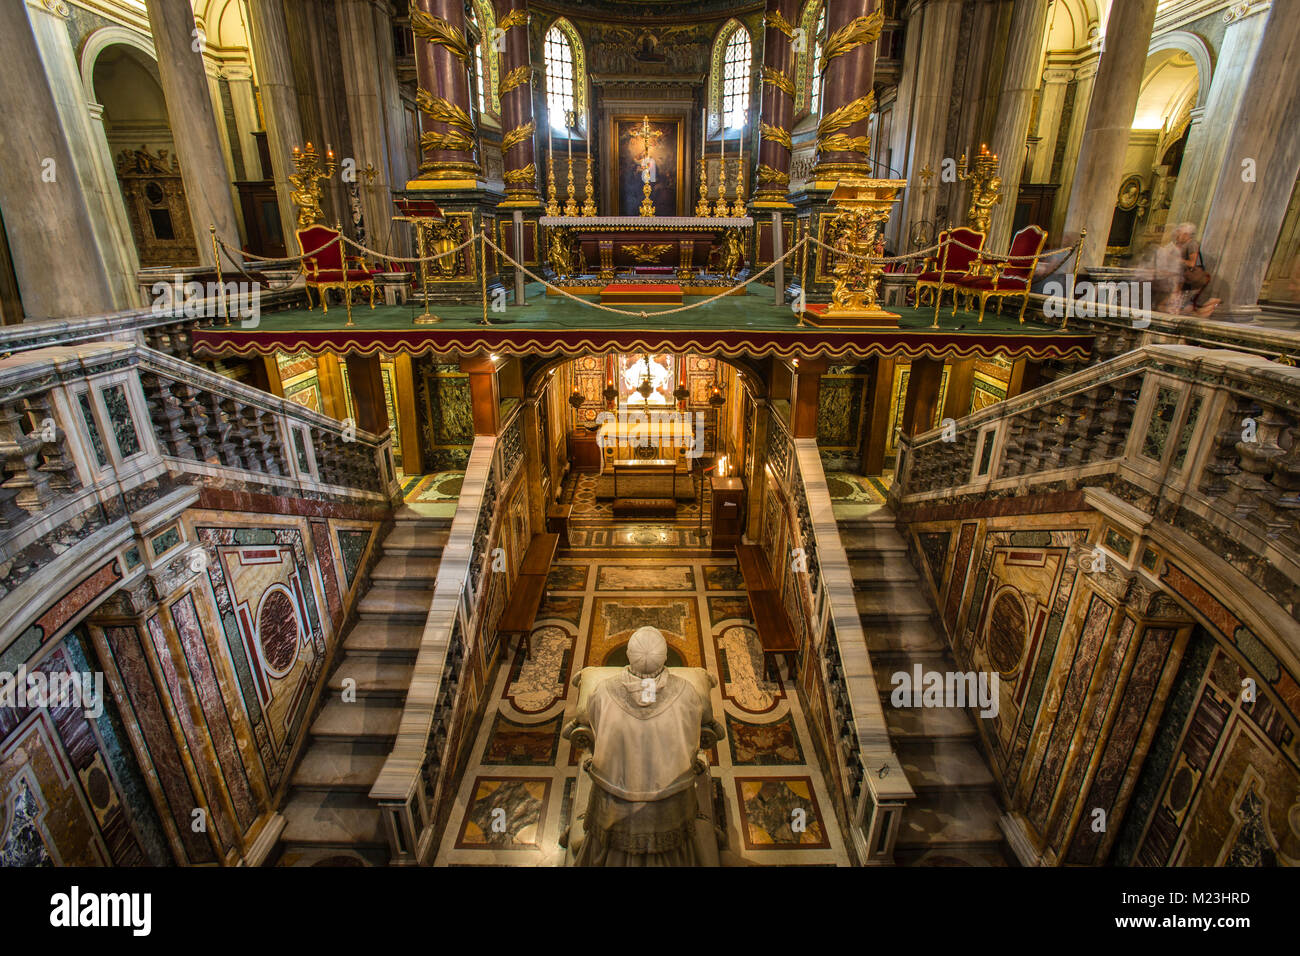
(646, 147)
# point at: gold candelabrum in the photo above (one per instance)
(985, 187)
(306, 190)
(864, 206)
(649, 136)
(589, 206)
(702, 207)
(552, 194)
(720, 204)
(738, 204)
(571, 201)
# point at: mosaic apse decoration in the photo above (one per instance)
(267, 601)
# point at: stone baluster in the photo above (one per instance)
(196, 422)
(55, 460)
(1286, 483)
(1223, 463)
(167, 415)
(222, 429)
(22, 457)
(1249, 487)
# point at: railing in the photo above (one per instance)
(95, 436)
(1194, 447)
(875, 786)
(413, 780)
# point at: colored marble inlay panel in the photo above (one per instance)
(523, 745)
(960, 566)
(320, 540)
(151, 718)
(206, 685)
(763, 745)
(1071, 707)
(614, 619)
(568, 577)
(540, 679)
(780, 813)
(119, 416)
(505, 813)
(728, 609)
(72, 601)
(725, 577)
(352, 546)
(92, 429)
(645, 578)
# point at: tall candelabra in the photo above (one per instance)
(738, 204)
(589, 206)
(702, 207)
(306, 190)
(720, 205)
(985, 187)
(552, 195)
(571, 202)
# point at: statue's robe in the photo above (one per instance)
(643, 804)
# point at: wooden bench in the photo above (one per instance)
(529, 592)
(774, 631)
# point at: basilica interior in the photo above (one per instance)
(922, 371)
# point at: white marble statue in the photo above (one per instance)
(646, 723)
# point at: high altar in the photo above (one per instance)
(680, 248)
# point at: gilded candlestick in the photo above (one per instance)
(589, 207)
(552, 195)
(571, 203)
(702, 207)
(738, 205)
(720, 204)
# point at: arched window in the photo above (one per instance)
(565, 69)
(815, 95)
(737, 66)
(486, 64)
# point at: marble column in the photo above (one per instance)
(1020, 72)
(1259, 172)
(270, 40)
(240, 81)
(1106, 131)
(46, 214)
(1084, 79)
(929, 89)
(773, 176)
(846, 85)
(1055, 82)
(517, 106)
(365, 109)
(1208, 140)
(193, 124)
(448, 145)
(92, 163)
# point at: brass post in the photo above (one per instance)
(221, 286)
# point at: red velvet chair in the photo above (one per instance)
(960, 248)
(324, 262)
(995, 277)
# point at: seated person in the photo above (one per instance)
(1179, 278)
(646, 724)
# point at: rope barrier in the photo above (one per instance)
(646, 315)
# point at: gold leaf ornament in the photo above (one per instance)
(515, 18)
(438, 31)
(515, 78)
(452, 139)
(839, 143)
(443, 111)
(862, 30)
(847, 115)
(779, 80)
(518, 177)
(770, 175)
(775, 134)
(775, 21)
(518, 135)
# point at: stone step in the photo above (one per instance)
(340, 765)
(415, 538)
(886, 668)
(932, 723)
(882, 570)
(408, 605)
(951, 818)
(867, 515)
(406, 570)
(872, 538)
(898, 603)
(393, 639)
(374, 676)
(360, 720)
(889, 639)
(341, 818)
(944, 765)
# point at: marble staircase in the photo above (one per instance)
(954, 817)
(328, 812)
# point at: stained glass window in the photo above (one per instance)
(737, 69)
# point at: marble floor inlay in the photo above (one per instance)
(515, 797)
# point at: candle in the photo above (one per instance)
(704, 131)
